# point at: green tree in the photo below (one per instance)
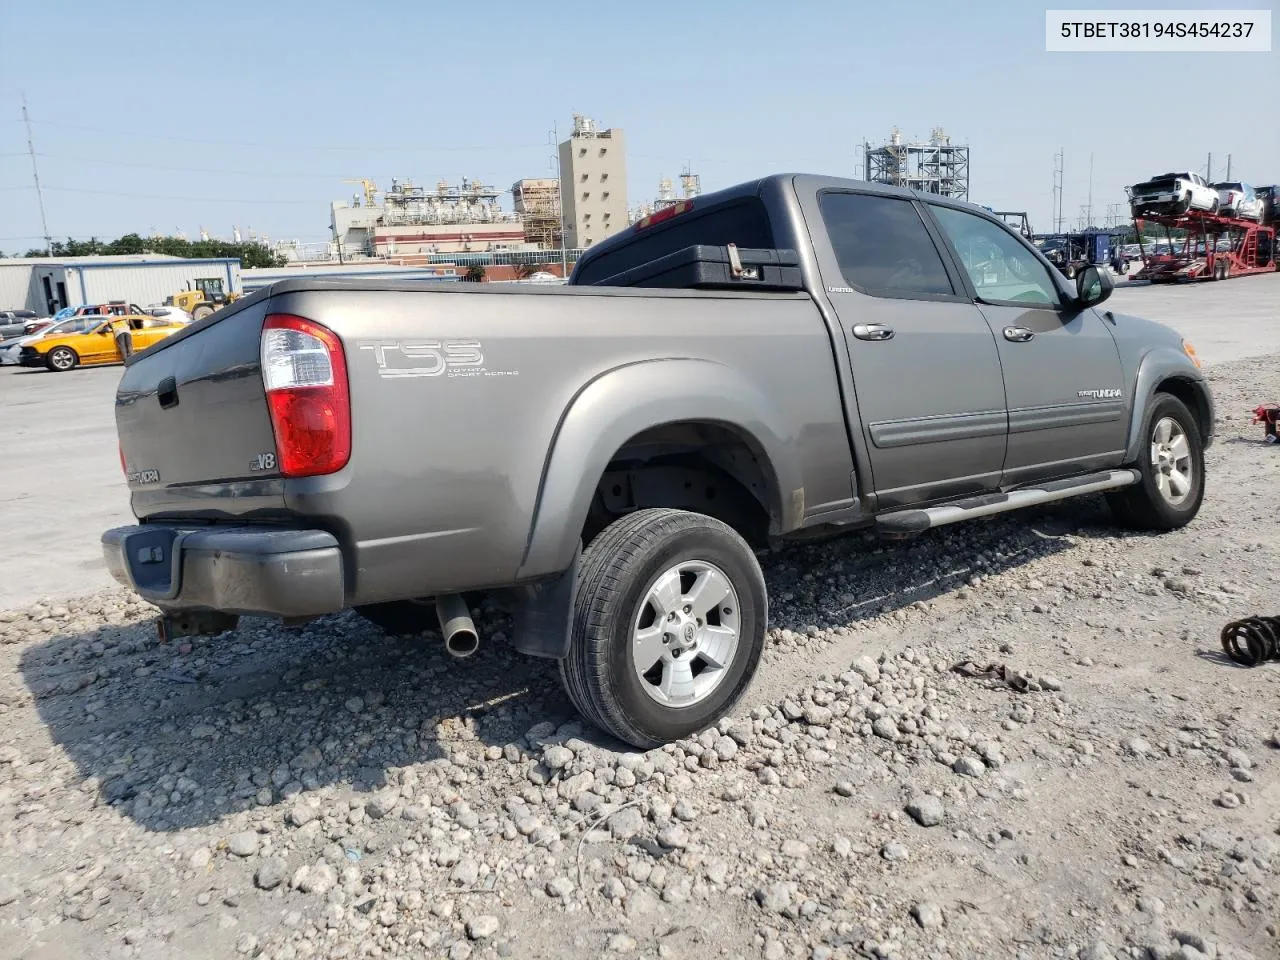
(475, 273)
(131, 244)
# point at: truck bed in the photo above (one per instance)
(457, 395)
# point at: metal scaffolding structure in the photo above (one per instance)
(537, 204)
(933, 166)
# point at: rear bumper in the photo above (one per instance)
(248, 570)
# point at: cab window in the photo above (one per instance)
(883, 247)
(1000, 268)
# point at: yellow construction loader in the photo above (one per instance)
(202, 297)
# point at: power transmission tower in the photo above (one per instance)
(35, 173)
(1057, 190)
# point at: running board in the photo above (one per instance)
(902, 522)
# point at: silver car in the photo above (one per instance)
(1236, 199)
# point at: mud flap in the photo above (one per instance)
(543, 613)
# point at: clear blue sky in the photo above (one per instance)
(257, 111)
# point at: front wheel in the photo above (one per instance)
(669, 621)
(1171, 467)
(61, 359)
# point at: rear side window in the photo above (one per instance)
(882, 246)
(743, 222)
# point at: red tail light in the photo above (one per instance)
(304, 371)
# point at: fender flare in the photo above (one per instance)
(624, 401)
(1156, 368)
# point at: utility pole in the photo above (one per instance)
(1089, 206)
(1208, 169)
(1228, 166)
(564, 254)
(1057, 190)
(35, 173)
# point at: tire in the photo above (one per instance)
(615, 595)
(61, 359)
(1071, 271)
(200, 312)
(399, 618)
(1144, 506)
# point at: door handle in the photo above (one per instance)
(873, 331)
(1018, 334)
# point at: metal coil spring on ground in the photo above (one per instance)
(1252, 640)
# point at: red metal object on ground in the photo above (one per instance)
(1195, 254)
(1269, 414)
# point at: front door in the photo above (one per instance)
(926, 372)
(1062, 375)
(98, 345)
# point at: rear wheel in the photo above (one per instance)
(61, 359)
(1171, 464)
(669, 620)
(202, 311)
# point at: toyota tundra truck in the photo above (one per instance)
(792, 357)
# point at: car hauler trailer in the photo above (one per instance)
(1211, 247)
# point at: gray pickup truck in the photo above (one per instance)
(793, 356)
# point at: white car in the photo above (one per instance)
(1236, 199)
(1173, 194)
(10, 349)
(170, 313)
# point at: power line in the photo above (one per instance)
(183, 169)
(284, 146)
(293, 175)
(157, 196)
(160, 196)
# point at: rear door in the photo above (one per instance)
(1062, 374)
(926, 372)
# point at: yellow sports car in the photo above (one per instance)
(107, 342)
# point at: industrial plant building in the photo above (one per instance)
(593, 171)
(935, 165)
(414, 220)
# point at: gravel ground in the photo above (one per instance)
(1111, 788)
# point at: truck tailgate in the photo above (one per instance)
(195, 431)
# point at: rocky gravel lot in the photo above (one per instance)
(1015, 738)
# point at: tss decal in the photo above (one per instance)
(429, 358)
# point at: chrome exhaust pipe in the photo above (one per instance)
(461, 638)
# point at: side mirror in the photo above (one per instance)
(1093, 286)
